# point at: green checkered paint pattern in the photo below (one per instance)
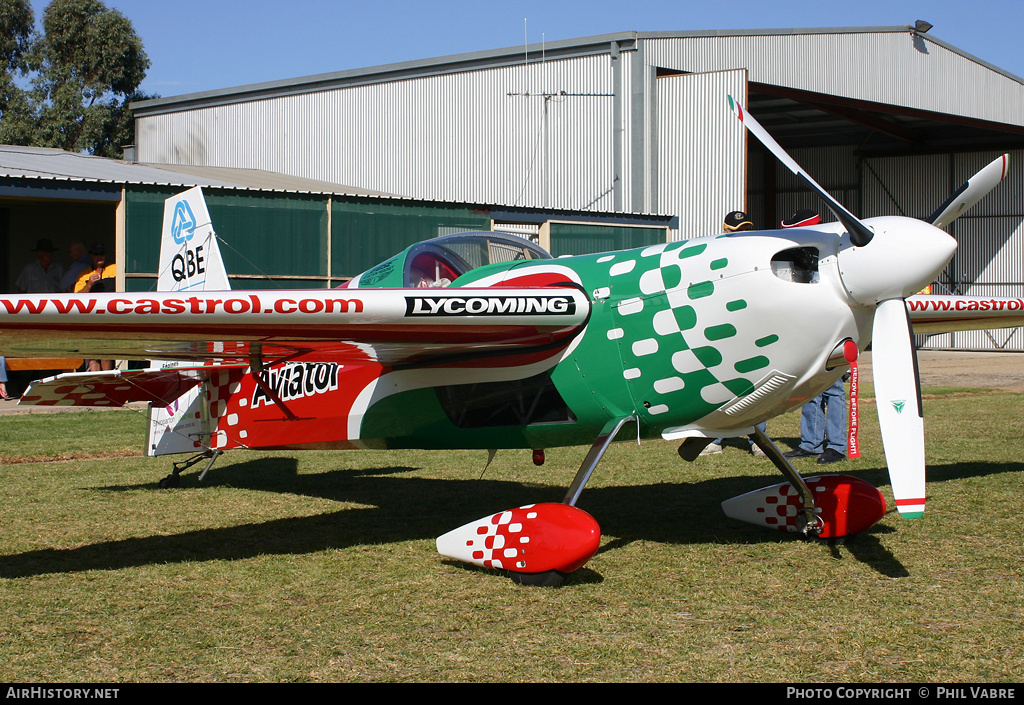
(677, 340)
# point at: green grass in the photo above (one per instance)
(321, 566)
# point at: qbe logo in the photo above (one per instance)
(183, 223)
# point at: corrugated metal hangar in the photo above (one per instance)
(635, 125)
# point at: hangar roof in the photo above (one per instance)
(809, 86)
(47, 172)
(47, 164)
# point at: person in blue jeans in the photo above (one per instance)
(823, 427)
(715, 446)
(3, 379)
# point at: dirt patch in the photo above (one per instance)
(985, 370)
(19, 459)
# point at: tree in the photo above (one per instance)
(16, 21)
(15, 33)
(85, 68)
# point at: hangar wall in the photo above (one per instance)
(854, 63)
(694, 142)
(318, 240)
(514, 135)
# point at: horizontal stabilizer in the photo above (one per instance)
(114, 387)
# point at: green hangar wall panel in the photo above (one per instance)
(281, 237)
(580, 238)
(365, 232)
(143, 218)
(271, 235)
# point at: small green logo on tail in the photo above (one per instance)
(898, 405)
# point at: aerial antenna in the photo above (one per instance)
(543, 57)
(526, 44)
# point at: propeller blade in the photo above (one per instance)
(976, 188)
(860, 234)
(898, 400)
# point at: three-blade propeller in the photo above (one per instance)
(881, 270)
(971, 192)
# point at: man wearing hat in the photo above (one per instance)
(737, 221)
(92, 279)
(41, 276)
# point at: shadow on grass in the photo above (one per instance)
(413, 508)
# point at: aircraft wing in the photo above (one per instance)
(944, 314)
(392, 327)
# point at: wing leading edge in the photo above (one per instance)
(384, 326)
(932, 314)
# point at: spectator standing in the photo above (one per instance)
(3, 378)
(43, 275)
(90, 280)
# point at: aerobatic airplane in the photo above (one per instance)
(482, 340)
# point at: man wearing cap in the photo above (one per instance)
(823, 418)
(41, 276)
(737, 221)
(734, 222)
(91, 278)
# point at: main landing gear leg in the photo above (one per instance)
(812, 523)
(174, 479)
(604, 439)
(611, 429)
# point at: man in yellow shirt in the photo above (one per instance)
(99, 278)
(93, 279)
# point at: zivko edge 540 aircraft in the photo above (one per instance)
(480, 340)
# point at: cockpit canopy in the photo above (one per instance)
(442, 260)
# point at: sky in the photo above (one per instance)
(201, 45)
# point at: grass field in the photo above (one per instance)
(321, 566)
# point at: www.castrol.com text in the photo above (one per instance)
(927, 304)
(456, 305)
(251, 303)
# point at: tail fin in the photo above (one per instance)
(189, 254)
(189, 260)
